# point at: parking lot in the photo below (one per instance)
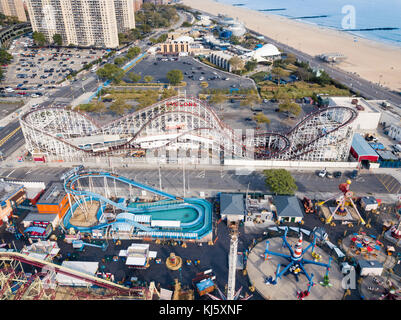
(194, 72)
(33, 70)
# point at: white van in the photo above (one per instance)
(94, 69)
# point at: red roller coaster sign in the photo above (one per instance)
(181, 104)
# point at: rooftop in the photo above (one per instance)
(287, 206)
(232, 204)
(370, 264)
(347, 102)
(7, 190)
(386, 155)
(53, 195)
(362, 147)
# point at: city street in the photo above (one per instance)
(213, 181)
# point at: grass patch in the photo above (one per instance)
(298, 90)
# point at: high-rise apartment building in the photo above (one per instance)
(138, 5)
(125, 14)
(82, 22)
(13, 8)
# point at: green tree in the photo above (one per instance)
(236, 63)
(280, 73)
(119, 61)
(175, 76)
(290, 59)
(218, 98)
(133, 52)
(235, 40)
(147, 79)
(261, 118)
(291, 107)
(134, 77)
(186, 24)
(96, 107)
(168, 93)
(119, 106)
(280, 181)
(5, 57)
(251, 65)
(57, 39)
(111, 72)
(39, 38)
(323, 78)
(250, 100)
(162, 38)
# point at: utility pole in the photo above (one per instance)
(183, 175)
(160, 180)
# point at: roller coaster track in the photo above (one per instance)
(138, 291)
(137, 123)
(70, 186)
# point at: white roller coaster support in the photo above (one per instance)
(184, 122)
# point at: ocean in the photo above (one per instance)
(349, 15)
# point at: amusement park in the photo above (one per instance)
(186, 124)
(123, 239)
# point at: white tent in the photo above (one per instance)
(89, 268)
(267, 51)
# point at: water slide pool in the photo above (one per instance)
(195, 215)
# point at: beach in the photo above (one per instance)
(371, 60)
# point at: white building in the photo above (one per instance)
(221, 59)
(204, 21)
(89, 268)
(125, 14)
(370, 268)
(82, 22)
(268, 52)
(368, 117)
(394, 132)
(138, 255)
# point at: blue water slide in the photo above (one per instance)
(202, 207)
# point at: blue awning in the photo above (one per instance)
(204, 284)
(35, 229)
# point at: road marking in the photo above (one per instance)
(382, 183)
(7, 137)
(10, 173)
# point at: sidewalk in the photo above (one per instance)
(14, 115)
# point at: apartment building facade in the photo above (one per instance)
(138, 5)
(13, 8)
(125, 14)
(88, 23)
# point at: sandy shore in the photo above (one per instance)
(371, 60)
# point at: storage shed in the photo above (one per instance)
(288, 209)
(232, 207)
(362, 151)
(369, 268)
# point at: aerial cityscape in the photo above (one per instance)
(200, 150)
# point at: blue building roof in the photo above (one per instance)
(204, 284)
(362, 147)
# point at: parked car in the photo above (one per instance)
(337, 174)
(353, 174)
(329, 175)
(322, 173)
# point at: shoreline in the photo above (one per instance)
(372, 60)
